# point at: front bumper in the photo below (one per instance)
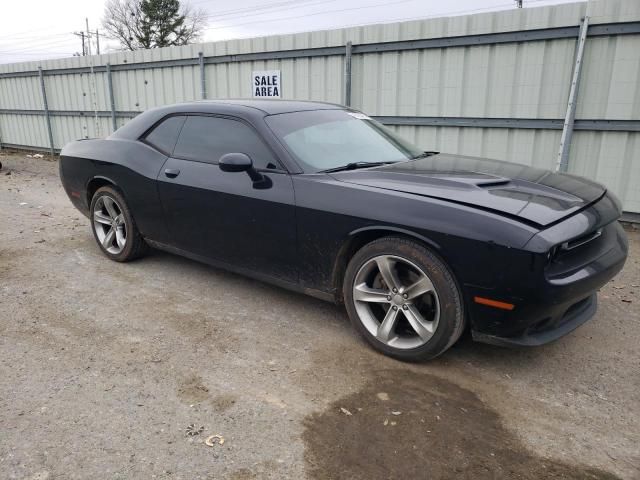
(551, 329)
(550, 302)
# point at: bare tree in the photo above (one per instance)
(138, 24)
(194, 24)
(121, 22)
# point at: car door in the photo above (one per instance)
(226, 216)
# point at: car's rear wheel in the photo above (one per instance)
(113, 226)
(403, 299)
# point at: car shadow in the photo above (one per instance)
(466, 349)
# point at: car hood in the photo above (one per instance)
(530, 194)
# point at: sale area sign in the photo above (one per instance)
(266, 84)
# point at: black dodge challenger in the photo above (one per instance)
(324, 200)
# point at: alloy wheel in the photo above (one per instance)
(109, 224)
(396, 301)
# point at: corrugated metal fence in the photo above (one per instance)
(493, 84)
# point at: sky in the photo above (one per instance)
(40, 29)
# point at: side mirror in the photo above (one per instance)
(235, 162)
(241, 162)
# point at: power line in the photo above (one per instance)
(384, 4)
(59, 43)
(27, 37)
(34, 41)
(280, 9)
(256, 8)
(34, 53)
(68, 39)
(42, 44)
(498, 7)
(30, 48)
(36, 45)
(443, 14)
(403, 19)
(38, 49)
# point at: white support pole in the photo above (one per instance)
(92, 83)
(45, 106)
(203, 83)
(112, 101)
(562, 163)
(347, 74)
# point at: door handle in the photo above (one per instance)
(171, 172)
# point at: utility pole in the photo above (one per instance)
(97, 42)
(88, 37)
(81, 35)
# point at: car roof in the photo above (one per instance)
(271, 106)
(246, 108)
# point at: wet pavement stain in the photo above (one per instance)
(405, 425)
(192, 390)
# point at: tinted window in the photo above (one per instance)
(206, 139)
(165, 134)
(323, 139)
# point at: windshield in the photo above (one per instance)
(326, 139)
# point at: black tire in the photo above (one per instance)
(135, 246)
(451, 321)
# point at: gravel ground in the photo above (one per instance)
(103, 367)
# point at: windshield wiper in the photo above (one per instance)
(354, 166)
(425, 154)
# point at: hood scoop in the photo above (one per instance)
(494, 183)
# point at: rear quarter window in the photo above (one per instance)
(164, 136)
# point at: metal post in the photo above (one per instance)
(88, 36)
(203, 85)
(93, 86)
(347, 74)
(562, 164)
(0, 142)
(112, 100)
(46, 109)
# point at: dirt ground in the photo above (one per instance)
(103, 367)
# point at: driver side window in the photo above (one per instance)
(206, 139)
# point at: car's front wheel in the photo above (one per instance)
(403, 299)
(113, 226)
